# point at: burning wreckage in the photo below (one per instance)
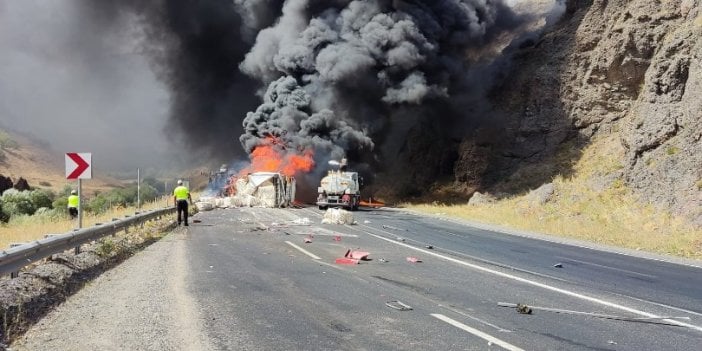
(258, 189)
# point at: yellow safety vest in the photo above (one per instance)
(181, 193)
(73, 201)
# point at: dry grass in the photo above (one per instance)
(583, 209)
(30, 228)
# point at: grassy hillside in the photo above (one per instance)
(592, 204)
(42, 167)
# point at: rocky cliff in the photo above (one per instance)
(630, 68)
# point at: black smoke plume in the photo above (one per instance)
(385, 68)
(342, 76)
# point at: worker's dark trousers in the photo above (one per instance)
(183, 208)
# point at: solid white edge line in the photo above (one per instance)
(304, 251)
(476, 332)
(540, 285)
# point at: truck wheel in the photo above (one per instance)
(323, 208)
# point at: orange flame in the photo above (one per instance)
(272, 157)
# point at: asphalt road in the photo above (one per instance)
(254, 276)
(245, 279)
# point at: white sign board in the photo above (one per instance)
(79, 165)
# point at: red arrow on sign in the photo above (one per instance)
(81, 165)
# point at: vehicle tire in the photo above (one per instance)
(323, 208)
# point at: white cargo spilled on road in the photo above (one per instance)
(263, 189)
(338, 216)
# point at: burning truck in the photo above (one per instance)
(262, 189)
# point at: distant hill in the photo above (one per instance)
(35, 161)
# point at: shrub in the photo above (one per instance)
(4, 217)
(42, 198)
(17, 202)
(60, 203)
(98, 205)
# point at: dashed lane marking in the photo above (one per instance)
(489, 338)
(315, 257)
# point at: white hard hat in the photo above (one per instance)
(180, 182)
(73, 192)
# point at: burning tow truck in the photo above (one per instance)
(339, 188)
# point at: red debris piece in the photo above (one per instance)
(359, 255)
(337, 238)
(346, 260)
(413, 259)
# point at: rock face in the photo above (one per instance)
(630, 67)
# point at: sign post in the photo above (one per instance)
(79, 166)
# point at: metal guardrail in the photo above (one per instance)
(13, 259)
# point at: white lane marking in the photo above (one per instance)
(661, 305)
(476, 332)
(566, 259)
(537, 284)
(315, 257)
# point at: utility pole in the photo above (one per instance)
(138, 206)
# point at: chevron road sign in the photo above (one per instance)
(78, 165)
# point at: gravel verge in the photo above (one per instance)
(41, 287)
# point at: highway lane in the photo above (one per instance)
(259, 286)
(655, 281)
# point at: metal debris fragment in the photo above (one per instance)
(398, 305)
(522, 308)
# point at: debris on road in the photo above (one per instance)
(366, 222)
(385, 226)
(337, 216)
(398, 305)
(524, 309)
(558, 265)
(359, 255)
(302, 221)
(429, 247)
(382, 260)
(413, 260)
(353, 257)
(204, 206)
(337, 238)
(399, 238)
(197, 221)
(308, 239)
(346, 260)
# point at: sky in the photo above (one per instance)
(81, 87)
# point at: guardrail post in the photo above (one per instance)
(76, 250)
(114, 233)
(15, 274)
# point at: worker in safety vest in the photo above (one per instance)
(181, 197)
(73, 203)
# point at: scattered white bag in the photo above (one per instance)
(337, 216)
(204, 206)
(302, 221)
